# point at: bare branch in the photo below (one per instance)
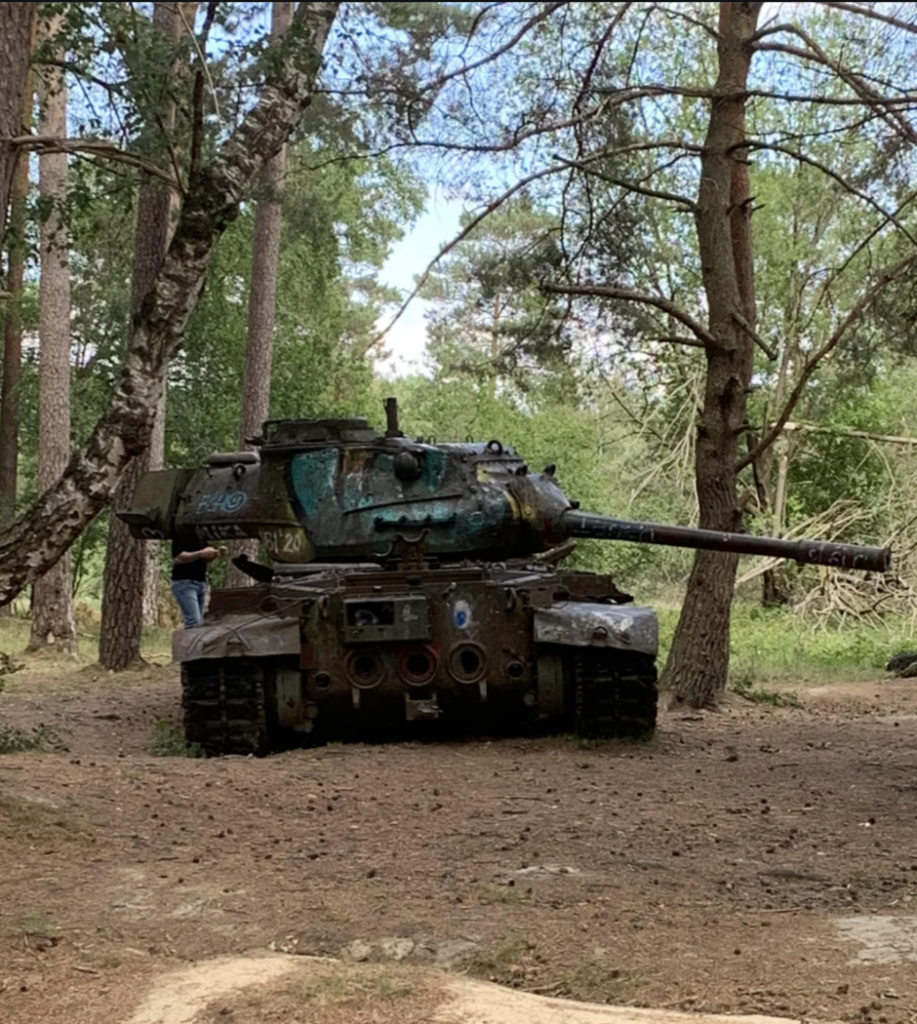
(869, 12)
(804, 158)
(79, 72)
(201, 56)
(755, 337)
(811, 428)
(679, 339)
(437, 83)
(627, 295)
(95, 147)
(859, 310)
(632, 186)
(856, 82)
(672, 11)
(507, 195)
(597, 54)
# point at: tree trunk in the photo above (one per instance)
(697, 667)
(16, 26)
(12, 332)
(53, 623)
(156, 459)
(262, 303)
(12, 342)
(41, 536)
(126, 578)
(16, 23)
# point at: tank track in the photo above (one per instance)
(615, 693)
(224, 707)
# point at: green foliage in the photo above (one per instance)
(35, 924)
(14, 740)
(169, 741)
(7, 667)
(746, 688)
(41, 739)
(777, 646)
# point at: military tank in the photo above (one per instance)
(410, 582)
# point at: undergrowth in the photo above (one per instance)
(14, 740)
(168, 741)
(769, 647)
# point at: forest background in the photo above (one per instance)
(684, 273)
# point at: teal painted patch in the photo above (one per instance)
(314, 475)
(433, 473)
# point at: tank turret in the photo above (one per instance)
(339, 491)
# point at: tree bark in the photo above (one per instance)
(262, 302)
(12, 342)
(126, 579)
(53, 624)
(16, 24)
(16, 27)
(12, 330)
(155, 459)
(697, 666)
(41, 536)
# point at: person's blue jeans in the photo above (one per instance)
(191, 595)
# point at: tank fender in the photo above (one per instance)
(238, 636)
(585, 624)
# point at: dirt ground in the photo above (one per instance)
(757, 860)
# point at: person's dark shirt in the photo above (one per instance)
(196, 570)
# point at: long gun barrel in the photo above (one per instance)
(811, 552)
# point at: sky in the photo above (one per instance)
(407, 339)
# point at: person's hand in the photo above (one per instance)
(221, 551)
(208, 554)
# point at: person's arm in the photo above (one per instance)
(206, 554)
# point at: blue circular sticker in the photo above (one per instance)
(462, 614)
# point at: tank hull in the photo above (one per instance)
(368, 653)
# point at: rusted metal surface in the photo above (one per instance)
(578, 624)
(412, 581)
(413, 644)
(812, 552)
(238, 636)
(337, 490)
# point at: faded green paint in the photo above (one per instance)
(433, 469)
(314, 475)
(344, 488)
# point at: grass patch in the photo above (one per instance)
(14, 740)
(747, 688)
(776, 646)
(334, 994)
(36, 925)
(501, 962)
(593, 983)
(169, 741)
(501, 894)
(15, 634)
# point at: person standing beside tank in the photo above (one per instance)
(189, 580)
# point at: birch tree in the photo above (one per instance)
(127, 581)
(211, 199)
